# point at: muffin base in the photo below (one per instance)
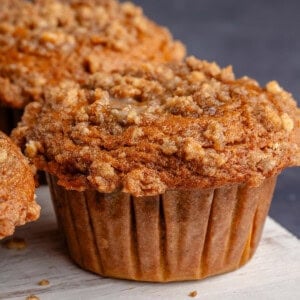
(9, 118)
(180, 235)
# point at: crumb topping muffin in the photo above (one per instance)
(43, 42)
(162, 127)
(17, 204)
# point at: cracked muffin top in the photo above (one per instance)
(17, 204)
(45, 41)
(157, 127)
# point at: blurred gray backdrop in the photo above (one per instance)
(260, 39)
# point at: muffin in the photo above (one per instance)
(162, 172)
(45, 41)
(17, 204)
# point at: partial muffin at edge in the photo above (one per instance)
(17, 189)
(70, 39)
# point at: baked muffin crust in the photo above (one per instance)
(17, 204)
(45, 41)
(158, 127)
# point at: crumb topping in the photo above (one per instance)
(156, 127)
(68, 39)
(17, 199)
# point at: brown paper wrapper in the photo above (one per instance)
(9, 118)
(180, 235)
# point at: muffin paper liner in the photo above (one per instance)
(180, 235)
(9, 118)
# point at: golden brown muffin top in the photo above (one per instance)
(45, 41)
(17, 204)
(158, 127)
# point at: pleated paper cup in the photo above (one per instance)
(180, 235)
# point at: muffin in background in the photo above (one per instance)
(162, 172)
(46, 41)
(17, 204)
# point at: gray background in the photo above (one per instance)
(260, 39)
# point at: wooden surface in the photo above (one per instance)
(273, 273)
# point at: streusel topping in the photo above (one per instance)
(45, 41)
(17, 204)
(156, 127)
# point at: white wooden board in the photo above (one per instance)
(273, 273)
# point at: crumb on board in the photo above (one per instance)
(44, 282)
(15, 243)
(32, 297)
(193, 294)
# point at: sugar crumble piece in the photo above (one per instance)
(193, 294)
(15, 243)
(287, 122)
(44, 282)
(273, 87)
(168, 147)
(193, 149)
(32, 297)
(32, 148)
(3, 155)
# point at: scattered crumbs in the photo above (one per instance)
(32, 297)
(193, 294)
(15, 243)
(44, 282)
